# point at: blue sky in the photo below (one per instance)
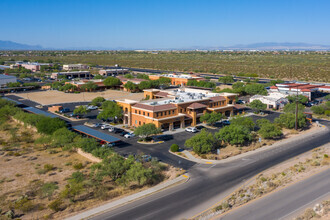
(163, 24)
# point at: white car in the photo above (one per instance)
(106, 126)
(129, 135)
(92, 107)
(192, 129)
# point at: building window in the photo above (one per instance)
(139, 112)
(173, 111)
(135, 111)
(148, 113)
(135, 121)
(165, 112)
(180, 110)
(161, 114)
(156, 114)
(144, 113)
(139, 122)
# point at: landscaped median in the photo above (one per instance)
(243, 135)
(272, 179)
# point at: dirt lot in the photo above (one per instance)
(32, 177)
(51, 97)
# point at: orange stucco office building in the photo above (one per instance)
(175, 108)
(177, 80)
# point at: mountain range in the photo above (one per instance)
(10, 45)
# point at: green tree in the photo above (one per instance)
(63, 137)
(288, 120)
(48, 125)
(98, 76)
(291, 108)
(239, 87)
(226, 79)
(261, 122)
(234, 134)
(327, 97)
(142, 76)
(246, 122)
(67, 87)
(164, 81)
(201, 143)
(145, 85)
(301, 99)
(12, 84)
(211, 118)
(137, 173)
(97, 101)
(89, 86)
(110, 110)
(112, 81)
(146, 130)
(81, 110)
(277, 81)
(129, 76)
(269, 131)
(257, 105)
(130, 86)
(253, 89)
(318, 110)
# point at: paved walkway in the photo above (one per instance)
(126, 199)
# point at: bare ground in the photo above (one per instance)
(51, 97)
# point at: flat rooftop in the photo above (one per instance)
(180, 96)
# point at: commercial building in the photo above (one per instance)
(177, 80)
(4, 79)
(34, 67)
(113, 72)
(72, 75)
(309, 90)
(175, 108)
(274, 100)
(80, 83)
(75, 67)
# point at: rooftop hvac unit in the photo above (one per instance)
(153, 103)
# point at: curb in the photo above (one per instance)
(130, 198)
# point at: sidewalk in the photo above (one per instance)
(277, 144)
(127, 199)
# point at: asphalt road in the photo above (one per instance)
(208, 183)
(282, 204)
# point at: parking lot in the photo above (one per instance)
(130, 145)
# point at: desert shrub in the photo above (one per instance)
(174, 148)
(78, 166)
(48, 167)
(57, 205)
(48, 189)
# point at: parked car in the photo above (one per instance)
(123, 133)
(92, 107)
(64, 110)
(92, 125)
(240, 102)
(129, 135)
(106, 126)
(108, 145)
(75, 116)
(226, 122)
(191, 129)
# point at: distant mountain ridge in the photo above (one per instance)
(10, 45)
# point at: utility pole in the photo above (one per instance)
(296, 124)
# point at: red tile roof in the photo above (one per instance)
(196, 105)
(236, 106)
(217, 98)
(154, 108)
(162, 94)
(273, 87)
